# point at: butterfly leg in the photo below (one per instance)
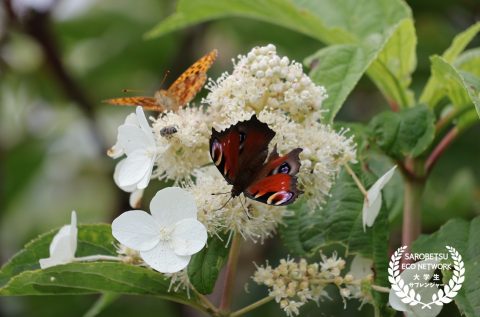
(245, 208)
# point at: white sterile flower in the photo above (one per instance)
(135, 194)
(409, 276)
(136, 141)
(117, 149)
(168, 237)
(373, 202)
(63, 245)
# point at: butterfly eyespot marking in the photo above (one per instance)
(279, 198)
(217, 153)
(284, 168)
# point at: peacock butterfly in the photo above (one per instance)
(240, 154)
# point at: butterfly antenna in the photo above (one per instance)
(164, 77)
(131, 90)
(221, 193)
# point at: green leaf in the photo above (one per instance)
(22, 274)
(205, 266)
(432, 92)
(462, 88)
(460, 42)
(392, 70)
(464, 237)
(338, 68)
(280, 12)
(405, 133)
(469, 61)
(339, 221)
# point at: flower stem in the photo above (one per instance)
(230, 273)
(356, 179)
(381, 289)
(97, 257)
(250, 307)
(440, 148)
(412, 210)
(211, 309)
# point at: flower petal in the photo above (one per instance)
(73, 233)
(49, 262)
(172, 204)
(143, 183)
(188, 237)
(132, 138)
(408, 276)
(115, 151)
(163, 259)
(137, 230)
(135, 199)
(134, 169)
(373, 202)
(121, 165)
(143, 123)
(61, 246)
(370, 210)
(375, 190)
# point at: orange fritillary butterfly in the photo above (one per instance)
(181, 92)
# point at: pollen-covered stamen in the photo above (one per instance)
(165, 234)
(217, 153)
(279, 198)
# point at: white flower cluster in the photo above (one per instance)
(261, 80)
(187, 148)
(292, 284)
(262, 83)
(287, 100)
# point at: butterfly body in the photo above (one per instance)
(241, 155)
(181, 92)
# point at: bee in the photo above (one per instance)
(168, 131)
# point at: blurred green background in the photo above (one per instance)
(59, 59)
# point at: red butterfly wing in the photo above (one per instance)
(240, 151)
(276, 183)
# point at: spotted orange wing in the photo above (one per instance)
(147, 103)
(184, 89)
(181, 92)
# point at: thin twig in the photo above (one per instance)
(206, 302)
(440, 148)
(251, 307)
(356, 179)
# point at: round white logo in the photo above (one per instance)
(406, 292)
